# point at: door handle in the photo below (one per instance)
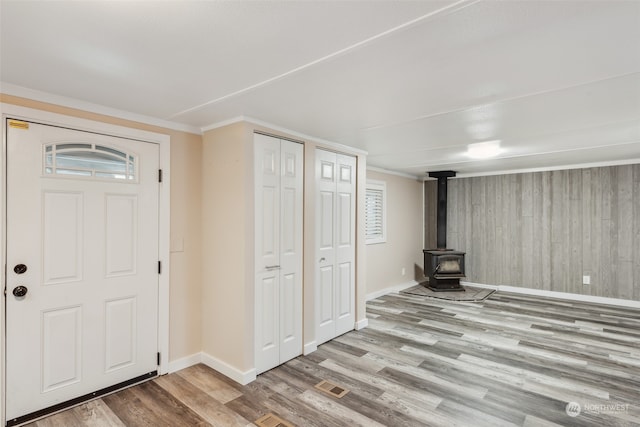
(20, 291)
(20, 269)
(322, 259)
(272, 267)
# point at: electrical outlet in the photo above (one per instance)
(586, 280)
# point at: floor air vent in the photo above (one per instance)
(271, 420)
(331, 389)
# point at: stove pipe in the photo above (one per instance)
(441, 233)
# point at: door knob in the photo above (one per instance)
(20, 268)
(20, 291)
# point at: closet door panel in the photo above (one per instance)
(267, 251)
(278, 174)
(325, 219)
(346, 249)
(335, 244)
(291, 226)
(268, 317)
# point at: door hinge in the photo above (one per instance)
(159, 175)
(158, 358)
(159, 267)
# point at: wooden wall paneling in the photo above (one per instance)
(574, 279)
(507, 256)
(453, 212)
(537, 279)
(507, 228)
(477, 237)
(563, 250)
(615, 223)
(494, 247)
(488, 250)
(551, 228)
(586, 228)
(606, 241)
(517, 237)
(430, 212)
(556, 230)
(527, 230)
(466, 242)
(479, 197)
(624, 229)
(636, 230)
(500, 249)
(503, 234)
(546, 230)
(598, 277)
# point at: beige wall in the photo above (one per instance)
(403, 247)
(227, 299)
(185, 278)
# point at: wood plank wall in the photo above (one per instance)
(545, 230)
(430, 214)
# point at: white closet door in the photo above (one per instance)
(335, 244)
(325, 244)
(278, 250)
(291, 217)
(345, 290)
(267, 251)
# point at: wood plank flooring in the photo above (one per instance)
(511, 360)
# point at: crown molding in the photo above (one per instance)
(392, 172)
(302, 136)
(63, 101)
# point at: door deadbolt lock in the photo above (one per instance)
(20, 268)
(20, 291)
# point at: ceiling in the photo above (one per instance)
(411, 82)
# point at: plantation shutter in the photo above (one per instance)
(375, 213)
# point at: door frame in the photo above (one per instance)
(164, 143)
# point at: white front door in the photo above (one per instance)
(278, 250)
(82, 264)
(335, 244)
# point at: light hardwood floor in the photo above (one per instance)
(510, 360)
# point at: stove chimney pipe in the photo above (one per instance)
(441, 233)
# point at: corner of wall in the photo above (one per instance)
(225, 291)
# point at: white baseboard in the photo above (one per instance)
(362, 323)
(229, 371)
(309, 348)
(185, 362)
(560, 295)
(385, 291)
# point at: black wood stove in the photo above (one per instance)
(444, 268)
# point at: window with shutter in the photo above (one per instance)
(376, 215)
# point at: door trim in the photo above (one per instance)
(164, 208)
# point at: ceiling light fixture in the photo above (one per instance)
(484, 150)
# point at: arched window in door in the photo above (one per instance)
(89, 160)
